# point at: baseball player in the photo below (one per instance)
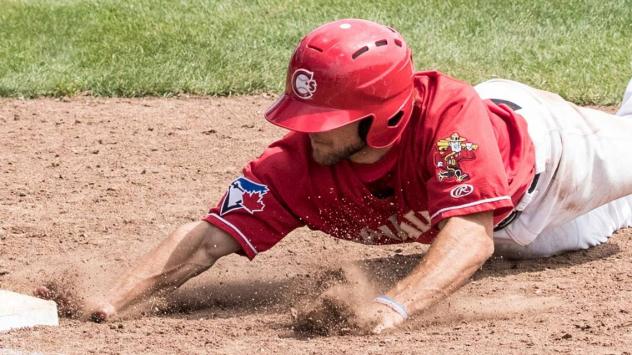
(380, 154)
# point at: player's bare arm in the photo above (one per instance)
(461, 248)
(187, 252)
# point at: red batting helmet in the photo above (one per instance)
(345, 71)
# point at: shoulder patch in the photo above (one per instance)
(245, 194)
(449, 153)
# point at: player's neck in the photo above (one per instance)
(369, 155)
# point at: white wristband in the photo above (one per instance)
(394, 305)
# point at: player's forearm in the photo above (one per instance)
(459, 250)
(184, 254)
(150, 279)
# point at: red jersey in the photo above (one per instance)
(458, 155)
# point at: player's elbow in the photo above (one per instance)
(205, 242)
(479, 231)
(485, 248)
(480, 248)
(482, 232)
(218, 243)
(478, 251)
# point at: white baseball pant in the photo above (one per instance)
(584, 159)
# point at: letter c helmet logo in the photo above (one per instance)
(303, 83)
(461, 190)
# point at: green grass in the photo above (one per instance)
(581, 49)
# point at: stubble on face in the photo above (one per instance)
(330, 154)
(330, 147)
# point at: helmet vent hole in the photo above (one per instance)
(364, 126)
(398, 43)
(359, 52)
(381, 43)
(314, 48)
(393, 121)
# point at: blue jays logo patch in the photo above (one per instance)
(246, 194)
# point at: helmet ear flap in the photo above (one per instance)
(364, 127)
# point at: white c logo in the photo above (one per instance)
(461, 190)
(303, 83)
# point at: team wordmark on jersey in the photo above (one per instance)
(245, 194)
(303, 83)
(451, 151)
(414, 224)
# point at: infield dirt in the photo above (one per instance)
(87, 185)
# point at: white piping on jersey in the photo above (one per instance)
(232, 226)
(493, 199)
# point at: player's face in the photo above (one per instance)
(328, 148)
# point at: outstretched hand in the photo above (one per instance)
(99, 311)
(337, 312)
(71, 306)
(386, 317)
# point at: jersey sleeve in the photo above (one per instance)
(252, 210)
(465, 170)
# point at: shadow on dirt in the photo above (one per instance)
(236, 298)
(248, 296)
(389, 270)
